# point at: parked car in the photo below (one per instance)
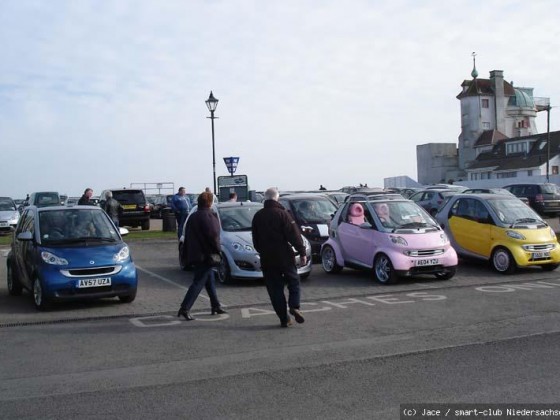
(43, 199)
(502, 191)
(9, 214)
(239, 258)
(431, 199)
(544, 198)
(135, 207)
(313, 214)
(158, 204)
(66, 253)
(390, 235)
(72, 201)
(452, 187)
(499, 229)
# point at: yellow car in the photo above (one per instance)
(499, 229)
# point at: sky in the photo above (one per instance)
(110, 93)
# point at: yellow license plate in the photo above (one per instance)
(129, 206)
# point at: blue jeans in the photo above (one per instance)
(203, 277)
(276, 278)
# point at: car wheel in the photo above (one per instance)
(128, 298)
(14, 286)
(328, 260)
(383, 270)
(448, 274)
(183, 257)
(146, 225)
(39, 299)
(304, 276)
(549, 267)
(502, 261)
(223, 272)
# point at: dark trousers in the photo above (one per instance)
(276, 278)
(181, 218)
(203, 277)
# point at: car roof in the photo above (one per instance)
(375, 197)
(306, 196)
(225, 204)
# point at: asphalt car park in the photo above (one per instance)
(162, 284)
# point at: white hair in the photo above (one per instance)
(108, 195)
(271, 194)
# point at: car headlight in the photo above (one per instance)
(50, 258)
(444, 238)
(399, 240)
(514, 235)
(122, 255)
(552, 233)
(240, 247)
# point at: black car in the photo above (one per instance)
(313, 214)
(544, 198)
(158, 204)
(135, 207)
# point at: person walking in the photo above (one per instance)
(202, 239)
(233, 197)
(113, 208)
(85, 199)
(181, 206)
(274, 233)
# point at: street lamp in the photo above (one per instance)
(212, 104)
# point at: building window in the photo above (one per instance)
(530, 172)
(555, 170)
(486, 125)
(485, 103)
(516, 148)
(507, 175)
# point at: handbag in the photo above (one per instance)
(215, 260)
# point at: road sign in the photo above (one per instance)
(231, 164)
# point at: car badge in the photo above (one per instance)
(92, 262)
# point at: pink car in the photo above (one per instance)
(389, 234)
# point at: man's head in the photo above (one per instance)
(88, 192)
(205, 200)
(182, 191)
(271, 194)
(233, 196)
(108, 195)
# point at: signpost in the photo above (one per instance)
(231, 164)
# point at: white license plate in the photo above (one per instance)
(106, 281)
(3, 224)
(422, 263)
(544, 254)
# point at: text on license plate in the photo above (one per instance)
(129, 206)
(105, 281)
(431, 261)
(544, 254)
(3, 224)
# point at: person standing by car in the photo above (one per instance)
(202, 239)
(181, 207)
(85, 200)
(112, 207)
(274, 233)
(233, 197)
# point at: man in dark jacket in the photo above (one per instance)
(274, 234)
(112, 207)
(202, 238)
(85, 199)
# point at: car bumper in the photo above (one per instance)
(249, 267)
(59, 286)
(525, 258)
(408, 266)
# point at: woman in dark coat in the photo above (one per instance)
(202, 238)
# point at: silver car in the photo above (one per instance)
(240, 259)
(9, 214)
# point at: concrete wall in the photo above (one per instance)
(434, 161)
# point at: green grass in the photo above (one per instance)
(134, 235)
(5, 239)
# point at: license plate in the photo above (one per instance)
(129, 207)
(3, 224)
(105, 281)
(553, 204)
(544, 254)
(422, 263)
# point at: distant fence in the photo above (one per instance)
(154, 187)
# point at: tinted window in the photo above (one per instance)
(6, 204)
(237, 218)
(129, 197)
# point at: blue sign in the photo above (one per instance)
(231, 163)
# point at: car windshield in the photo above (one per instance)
(76, 225)
(514, 211)
(314, 210)
(7, 204)
(238, 218)
(402, 215)
(550, 189)
(129, 197)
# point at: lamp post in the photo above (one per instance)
(212, 103)
(548, 143)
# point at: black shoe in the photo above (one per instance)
(218, 310)
(297, 315)
(287, 324)
(186, 314)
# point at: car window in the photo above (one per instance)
(239, 218)
(129, 197)
(314, 211)
(67, 225)
(7, 204)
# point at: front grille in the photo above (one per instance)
(91, 272)
(538, 247)
(429, 269)
(424, 252)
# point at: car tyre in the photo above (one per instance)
(14, 286)
(448, 274)
(383, 270)
(328, 260)
(502, 261)
(39, 298)
(223, 272)
(549, 267)
(146, 225)
(128, 298)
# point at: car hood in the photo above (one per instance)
(245, 237)
(8, 214)
(90, 256)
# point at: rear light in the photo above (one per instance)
(539, 198)
(146, 208)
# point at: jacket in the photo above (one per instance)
(274, 234)
(113, 208)
(180, 204)
(202, 236)
(84, 201)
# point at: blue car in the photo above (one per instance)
(66, 253)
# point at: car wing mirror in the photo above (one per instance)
(25, 236)
(123, 231)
